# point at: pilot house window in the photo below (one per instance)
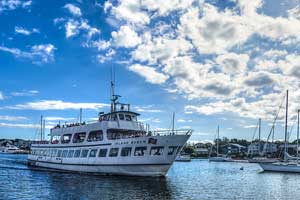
(95, 136)
(79, 137)
(66, 138)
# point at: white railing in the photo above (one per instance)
(171, 132)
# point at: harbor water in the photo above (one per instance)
(198, 179)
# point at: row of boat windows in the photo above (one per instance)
(112, 152)
(93, 136)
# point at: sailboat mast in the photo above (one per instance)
(218, 140)
(286, 124)
(259, 129)
(298, 134)
(80, 115)
(173, 123)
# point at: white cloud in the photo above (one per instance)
(131, 11)
(13, 118)
(232, 63)
(57, 105)
(13, 4)
(23, 31)
(74, 10)
(24, 126)
(125, 37)
(39, 54)
(74, 27)
(1, 96)
(25, 93)
(63, 119)
(149, 73)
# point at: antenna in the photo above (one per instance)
(114, 98)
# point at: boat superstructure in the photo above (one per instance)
(117, 143)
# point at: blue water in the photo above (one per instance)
(198, 179)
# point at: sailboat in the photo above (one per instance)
(219, 157)
(261, 158)
(285, 165)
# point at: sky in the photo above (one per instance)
(213, 62)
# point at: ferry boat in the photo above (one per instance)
(116, 144)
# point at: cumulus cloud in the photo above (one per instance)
(125, 37)
(39, 54)
(74, 27)
(259, 79)
(149, 73)
(13, 4)
(232, 63)
(74, 10)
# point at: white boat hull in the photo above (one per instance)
(280, 167)
(128, 170)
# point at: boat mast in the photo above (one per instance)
(173, 123)
(80, 115)
(259, 129)
(298, 134)
(218, 135)
(286, 121)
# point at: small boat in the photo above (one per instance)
(286, 165)
(183, 158)
(219, 157)
(9, 148)
(263, 160)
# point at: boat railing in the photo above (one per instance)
(171, 132)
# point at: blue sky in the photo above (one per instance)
(211, 62)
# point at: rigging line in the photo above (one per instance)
(275, 119)
(254, 135)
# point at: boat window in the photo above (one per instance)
(71, 153)
(65, 153)
(59, 153)
(113, 134)
(121, 116)
(128, 117)
(134, 118)
(113, 152)
(66, 138)
(95, 136)
(79, 137)
(93, 153)
(126, 151)
(157, 151)
(140, 151)
(55, 139)
(171, 150)
(102, 153)
(84, 153)
(77, 153)
(113, 117)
